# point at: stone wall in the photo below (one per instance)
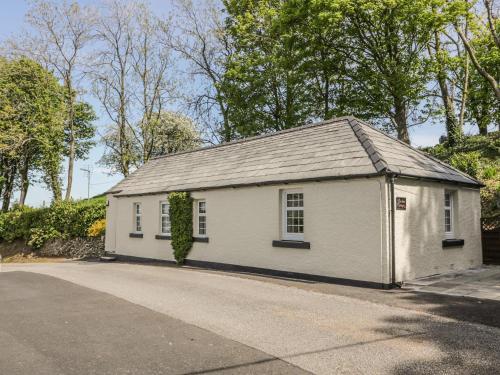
(91, 247)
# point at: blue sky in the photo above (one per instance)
(12, 21)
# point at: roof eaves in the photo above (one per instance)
(121, 194)
(375, 156)
(112, 191)
(441, 180)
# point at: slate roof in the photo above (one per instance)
(339, 148)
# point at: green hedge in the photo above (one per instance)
(60, 220)
(181, 219)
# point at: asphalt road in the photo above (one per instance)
(50, 326)
(319, 332)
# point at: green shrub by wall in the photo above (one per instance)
(60, 220)
(181, 227)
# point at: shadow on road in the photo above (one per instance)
(466, 309)
(302, 354)
(478, 354)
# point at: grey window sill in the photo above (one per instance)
(200, 239)
(453, 242)
(163, 237)
(136, 235)
(292, 244)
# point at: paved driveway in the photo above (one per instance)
(317, 332)
(482, 282)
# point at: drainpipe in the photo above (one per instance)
(393, 229)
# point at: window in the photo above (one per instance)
(292, 202)
(164, 218)
(137, 218)
(202, 218)
(448, 214)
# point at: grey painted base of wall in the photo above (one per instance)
(259, 271)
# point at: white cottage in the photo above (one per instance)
(335, 201)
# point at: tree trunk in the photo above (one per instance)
(326, 97)
(326, 88)
(226, 130)
(228, 136)
(400, 120)
(71, 162)
(453, 130)
(465, 93)
(72, 146)
(124, 149)
(482, 122)
(56, 187)
(123, 141)
(483, 127)
(9, 176)
(23, 172)
(5, 196)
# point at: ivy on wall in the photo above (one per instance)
(181, 219)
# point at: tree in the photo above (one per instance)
(450, 64)
(82, 133)
(32, 117)
(459, 83)
(61, 31)
(443, 69)
(481, 26)
(321, 60)
(152, 67)
(296, 61)
(483, 107)
(171, 132)
(265, 89)
(384, 45)
(204, 42)
(8, 142)
(131, 77)
(111, 75)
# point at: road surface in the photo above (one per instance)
(310, 331)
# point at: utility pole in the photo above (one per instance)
(89, 172)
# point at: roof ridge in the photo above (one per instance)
(374, 154)
(257, 137)
(420, 152)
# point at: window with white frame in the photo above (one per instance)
(201, 211)
(448, 214)
(137, 218)
(292, 202)
(164, 218)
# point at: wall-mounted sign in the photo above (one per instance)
(400, 203)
